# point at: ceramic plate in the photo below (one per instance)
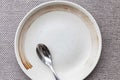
(71, 34)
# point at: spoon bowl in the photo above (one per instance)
(46, 57)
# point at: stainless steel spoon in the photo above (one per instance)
(45, 56)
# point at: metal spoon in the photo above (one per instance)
(45, 56)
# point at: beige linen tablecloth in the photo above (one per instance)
(107, 15)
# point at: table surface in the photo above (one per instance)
(107, 15)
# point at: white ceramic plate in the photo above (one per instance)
(71, 34)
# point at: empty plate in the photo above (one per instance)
(71, 34)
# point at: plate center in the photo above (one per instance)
(66, 36)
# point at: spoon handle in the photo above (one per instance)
(54, 73)
(56, 78)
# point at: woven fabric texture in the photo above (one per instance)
(106, 13)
